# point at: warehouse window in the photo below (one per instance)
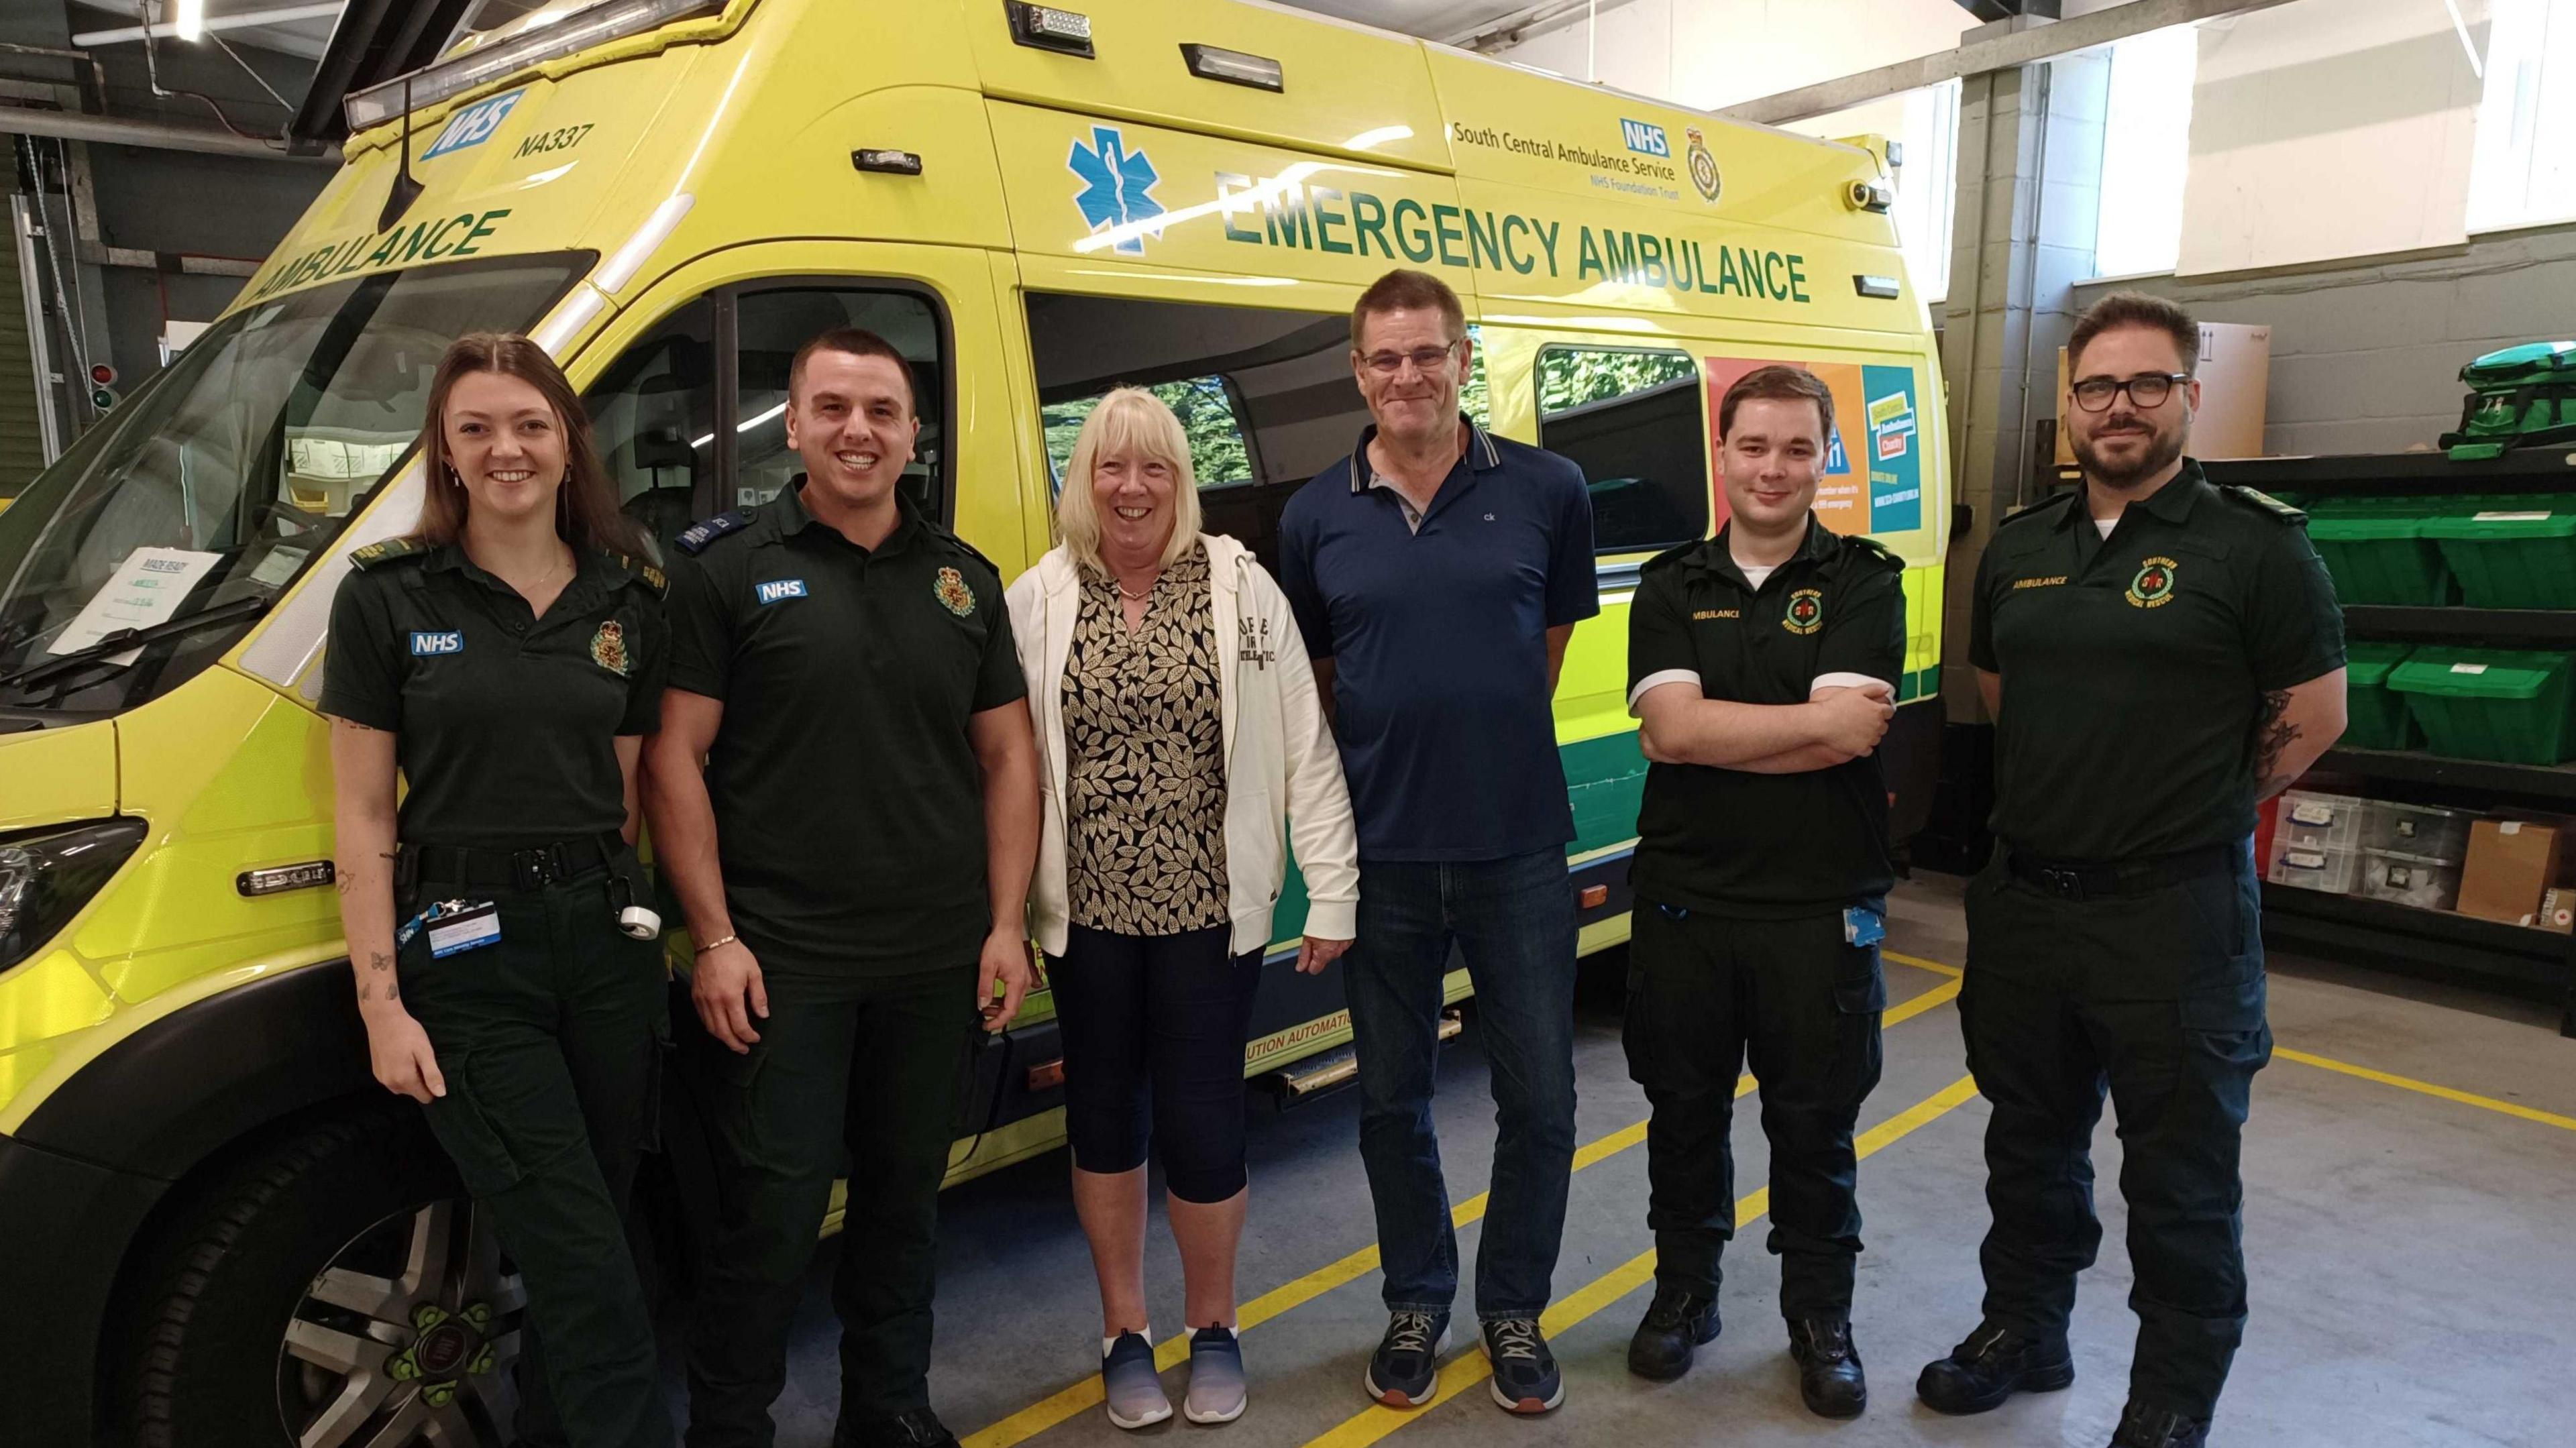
(1630, 417)
(2524, 167)
(2146, 152)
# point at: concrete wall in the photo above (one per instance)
(2366, 354)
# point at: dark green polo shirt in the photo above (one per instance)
(2134, 666)
(505, 724)
(1765, 846)
(849, 802)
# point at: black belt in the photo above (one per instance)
(2086, 882)
(527, 869)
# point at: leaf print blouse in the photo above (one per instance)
(1145, 759)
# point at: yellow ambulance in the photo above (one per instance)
(213, 1227)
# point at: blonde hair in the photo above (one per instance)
(1135, 422)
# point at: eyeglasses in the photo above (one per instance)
(1387, 364)
(2094, 394)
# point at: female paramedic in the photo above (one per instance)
(507, 657)
(1178, 722)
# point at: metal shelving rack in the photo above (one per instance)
(2436, 944)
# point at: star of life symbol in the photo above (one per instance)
(1116, 189)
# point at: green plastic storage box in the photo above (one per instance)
(2510, 552)
(2377, 716)
(2377, 552)
(2496, 704)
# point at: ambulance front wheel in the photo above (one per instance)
(335, 1289)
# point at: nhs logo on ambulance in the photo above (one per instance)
(1645, 138)
(425, 642)
(475, 124)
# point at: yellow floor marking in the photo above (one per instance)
(1077, 1397)
(1471, 1367)
(1920, 963)
(2465, 1098)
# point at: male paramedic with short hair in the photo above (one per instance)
(1762, 668)
(853, 859)
(1437, 574)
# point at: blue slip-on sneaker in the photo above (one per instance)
(1217, 1392)
(1130, 1389)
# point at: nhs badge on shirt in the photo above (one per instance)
(778, 588)
(425, 642)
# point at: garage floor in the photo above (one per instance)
(2410, 1221)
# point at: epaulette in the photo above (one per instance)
(694, 539)
(1670, 556)
(961, 545)
(387, 551)
(1863, 543)
(652, 577)
(2053, 500)
(2262, 502)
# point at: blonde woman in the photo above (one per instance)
(1182, 741)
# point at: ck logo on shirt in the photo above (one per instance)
(778, 588)
(431, 641)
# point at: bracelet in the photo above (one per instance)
(717, 944)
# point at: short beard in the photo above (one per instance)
(2163, 449)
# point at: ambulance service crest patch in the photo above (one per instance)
(1806, 611)
(608, 648)
(2154, 585)
(1703, 165)
(953, 594)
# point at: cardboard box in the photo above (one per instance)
(2511, 864)
(2235, 382)
(2558, 909)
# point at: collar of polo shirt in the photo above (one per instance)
(2172, 502)
(1481, 454)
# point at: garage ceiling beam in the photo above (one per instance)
(2007, 51)
(1993, 10)
(72, 126)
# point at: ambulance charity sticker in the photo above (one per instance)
(608, 648)
(1806, 612)
(953, 593)
(2154, 585)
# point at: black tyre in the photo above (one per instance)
(334, 1290)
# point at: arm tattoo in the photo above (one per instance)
(2272, 734)
(378, 960)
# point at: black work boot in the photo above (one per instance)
(912, 1428)
(1677, 1321)
(2142, 1427)
(1992, 1365)
(1829, 1375)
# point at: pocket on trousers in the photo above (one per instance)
(464, 1126)
(1637, 1027)
(1863, 994)
(2229, 1007)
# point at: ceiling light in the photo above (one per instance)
(577, 31)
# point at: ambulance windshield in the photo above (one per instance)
(206, 493)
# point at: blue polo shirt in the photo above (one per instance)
(1438, 637)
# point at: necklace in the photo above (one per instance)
(1123, 591)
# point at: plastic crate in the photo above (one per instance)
(2332, 871)
(2410, 880)
(2376, 717)
(2510, 552)
(2497, 704)
(2421, 830)
(2376, 551)
(2313, 821)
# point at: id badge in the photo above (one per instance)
(1863, 926)
(458, 926)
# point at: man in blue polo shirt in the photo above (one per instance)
(1437, 575)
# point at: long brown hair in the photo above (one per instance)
(586, 513)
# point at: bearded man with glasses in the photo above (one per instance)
(1437, 574)
(2159, 655)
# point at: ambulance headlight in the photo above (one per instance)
(577, 31)
(47, 875)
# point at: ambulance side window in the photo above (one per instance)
(1632, 418)
(653, 415)
(771, 324)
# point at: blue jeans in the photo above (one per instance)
(1514, 921)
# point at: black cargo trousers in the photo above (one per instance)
(2153, 990)
(550, 1040)
(1706, 994)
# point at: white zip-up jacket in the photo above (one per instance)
(1283, 772)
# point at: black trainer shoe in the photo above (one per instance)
(1677, 1323)
(1405, 1367)
(2158, 1428)
(1829, 1375)
(1525, 1377)
(1992, 1365)
(914, 1428)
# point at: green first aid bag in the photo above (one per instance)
(2520, 397)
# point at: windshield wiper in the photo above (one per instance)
(248, 606)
